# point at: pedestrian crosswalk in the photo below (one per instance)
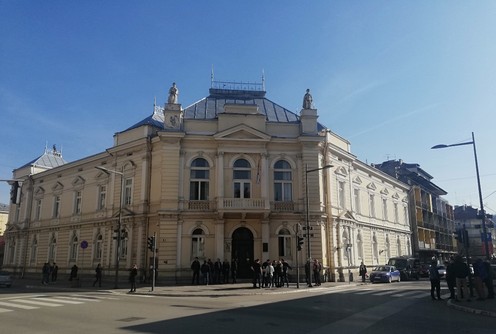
(395, 291)
(33, 302)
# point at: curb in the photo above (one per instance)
(459, 307)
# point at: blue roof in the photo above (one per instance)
(49, 159)
(211, 106)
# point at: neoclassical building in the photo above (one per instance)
(232, 176)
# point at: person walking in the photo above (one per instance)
(195, 267)
(98, 275)
(362, 271)
(132, 277)
(435, 281)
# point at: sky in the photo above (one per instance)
(393, 77)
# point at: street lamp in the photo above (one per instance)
(307, 221)
(483, 213)
(119, 223)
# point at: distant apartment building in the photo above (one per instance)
(233, 176)
(432, 217)
(468, 219)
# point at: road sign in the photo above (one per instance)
(84, 244)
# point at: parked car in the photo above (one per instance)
(5, 279)
(441, 270)
(424, 270)
(385, 274)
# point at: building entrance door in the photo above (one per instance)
(242, 250)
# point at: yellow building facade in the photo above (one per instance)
(233, 176)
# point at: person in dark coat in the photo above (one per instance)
(226, 268)
(257, 273)
(74, 273)
(132, 278)
(488, 281)
(98, 275)
(234, 270)
(362, 271)
(285, 274)
(55, 271)
(205, 271)
(435, 280)
(461, 271)
(195, 267)
(451, 278)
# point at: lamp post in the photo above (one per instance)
(483, 213)
(119, 222)
(307, 220)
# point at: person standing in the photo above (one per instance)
(74, 273)
(257, 273)
(205, 271)
(461, 271)
(285, 268)
(451, 278)
(435, 280)
(488, 281)
(362, 271)
(226, 268)
(195, 267)
(55, 272)
(317, 268)
(132, 278)
(98, 275)
(307, 272)
(234, 270)
(45, 273)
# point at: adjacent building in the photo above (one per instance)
(432, 217)
(234, 176)
(470, 233)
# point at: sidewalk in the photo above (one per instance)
(485, 307)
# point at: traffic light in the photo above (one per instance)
(116, 233)
(151, 243)
(123, 234)
(300, 242)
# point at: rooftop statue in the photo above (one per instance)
(307, 100)
(173, 93)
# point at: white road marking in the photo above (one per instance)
(60, 300)
(24, 307)
(34, 302)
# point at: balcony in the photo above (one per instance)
(243, 207)
(283, 206)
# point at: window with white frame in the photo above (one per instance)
(77, 202)
(242, 178)
(284, 238)
(356, 197)
(37, 210)
(56, 206)
(34, 249)
(98, 247)
(372, 205)
(384, 209)
(199, 180)
(74, 246)
(102, 196)
(52, 248)
(341, 195)
(128, 191)
(396, 213)
(198, 244)
(283, 181)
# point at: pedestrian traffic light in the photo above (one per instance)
(151, 243)
(300, 242)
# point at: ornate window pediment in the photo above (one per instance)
(371, 186)
(58, 187)
(78, 182)
(396, 196)
(385, 191)
(357, 180)
(39, 192)
(242, 132)
(341, 171)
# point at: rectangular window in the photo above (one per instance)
(384, 209)
(128, 191)
(37, 212)
(284, 246)
(242, 189)
(77, 202)
(341, 198)
(283, 191)
(372, 205)
(102, 197)
(396, 213)
(198, 190)
(56, 207)
(356, 196)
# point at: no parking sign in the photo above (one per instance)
(84, 244)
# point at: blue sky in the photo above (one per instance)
(392, 77)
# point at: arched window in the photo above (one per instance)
(34, 249)
(242, 178)
(199, 180)
(74, 247)
(198, 244)
(283, 181)
(52, 249)
(98, 247)
(284, 242)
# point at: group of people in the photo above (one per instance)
(49, 273)
(315, 269)
(270, 274)
(458, 275)
(213, 272)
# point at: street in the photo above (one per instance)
(370, 308)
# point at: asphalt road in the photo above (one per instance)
(404, 307)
